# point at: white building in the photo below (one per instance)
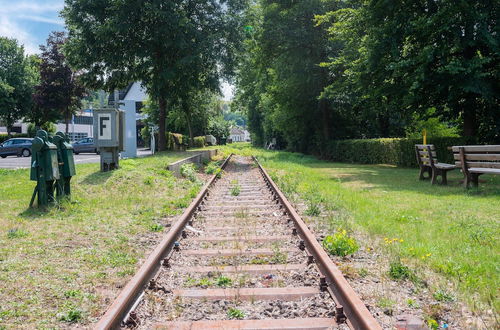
(239, 135)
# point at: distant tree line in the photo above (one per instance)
(319, 70)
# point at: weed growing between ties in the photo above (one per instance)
(235, 190)
(234, 313)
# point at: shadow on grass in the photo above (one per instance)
(97, 178)
(34, 212)
(388, 177)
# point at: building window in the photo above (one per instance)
(77, 136)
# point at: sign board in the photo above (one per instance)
(104, 126)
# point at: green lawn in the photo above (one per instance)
(67, 263)
(447, 232)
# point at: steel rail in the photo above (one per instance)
(357, 314)
(122, 305)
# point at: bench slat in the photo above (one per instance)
(424, 146)
(491, 157)
(480, 164)
(491, 148)
(484, 170)
(426, 154)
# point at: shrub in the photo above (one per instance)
(340, 244)
(398, 271)
(5, 137)
(48, 127)
(199, 142)
(212, 168)
(234, 313)
(395, 151)
(189, 171)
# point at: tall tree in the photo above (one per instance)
(59, 93)
(167, 45)
(17, 77)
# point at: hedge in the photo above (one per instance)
(5, 137)
(395, 151)
(199, 142)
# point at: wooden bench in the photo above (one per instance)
(428, 163)
(477, 160)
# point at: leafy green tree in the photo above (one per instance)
(17, 76)
(171, 46)
(58, 93)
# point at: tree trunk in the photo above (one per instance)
(162, 140)
(9, 129)
(188, 120)
(470, 120)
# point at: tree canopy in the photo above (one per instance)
(170, 46)
(313, 71)
(17, 77)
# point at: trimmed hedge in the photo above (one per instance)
(199, 141)
(5, 137)
(175, 141)
(395, 151)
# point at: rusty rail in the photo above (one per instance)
(125, 301)
(358, 316)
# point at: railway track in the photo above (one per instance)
(239, 257)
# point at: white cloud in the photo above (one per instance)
(36, 11)
(42, 19)
(31, 7)
(10, 29)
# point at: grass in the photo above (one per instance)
(58, 266)
(446, 232)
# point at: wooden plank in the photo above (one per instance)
(249, 269)
(313, 323)
(485, 148)
(424, 146)
(479, 164)
(235, 252)
(425, 153)
(241, 239)
(484, 170)
(288, 293)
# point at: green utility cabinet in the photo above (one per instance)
(44, 168)
(66, 164)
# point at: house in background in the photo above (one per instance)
(238, 134)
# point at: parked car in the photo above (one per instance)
(84, 145)
(16, 147)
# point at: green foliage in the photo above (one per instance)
(6, 137)
(398, 271)
(433, 126)
(340, 244)
(72, 315)
(48, 127)
(397, 151)
(235, 190)
(234, 313)
(313, 209)
(188, 171)
(223, 281)
(174, 48)
(199, 141)
(16, 233)
(17, 77)
(212, 168)
(443, 296)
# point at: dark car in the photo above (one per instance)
(16, 147)
(84, 145)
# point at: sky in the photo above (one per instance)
(31, 21)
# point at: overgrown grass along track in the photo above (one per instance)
(239, 264)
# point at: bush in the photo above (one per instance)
(199, 142)
(175, 141)
(395, 151)
(5, 137)
(340, 244)
(48, 127)
(398, 271)
(188, 171)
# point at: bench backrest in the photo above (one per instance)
(477, 156)
(422, 151)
